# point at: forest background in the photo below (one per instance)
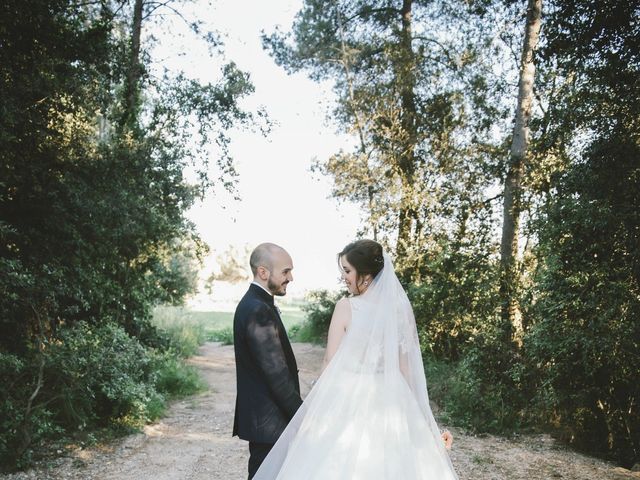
(496, 156)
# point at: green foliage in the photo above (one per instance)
(586, 341)
(90, 376)
(486, 390)
(90, 217)
(292, 314)
(318, 308)
(173, 378)
(93, 234)
(306, 333)
(93, 223)
(184, 333)
(584, 306)
(18, 428)
(492, 386)
(93, 376)
(224, 335)
(415, 86)
(177, 274)
(457, 296)
(456, 392)
(96, 374)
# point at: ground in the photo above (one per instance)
(193, 442)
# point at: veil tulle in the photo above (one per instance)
(368, 415)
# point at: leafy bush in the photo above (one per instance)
(92, 376)
(319, 308)
(184, 333)
(586, 336)
(492, 390)
(224, 335)
(454, 299)
(485, 391)
(175, 379)
(95, 374)
(93, 231)
(19, 428)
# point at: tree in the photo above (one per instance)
(134, 69)
(87, 219)
(405, 86)
(509, 280)
(585, 338)
(93, 189)
(585, 311)
(232, 265)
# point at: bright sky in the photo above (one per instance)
(281, 201)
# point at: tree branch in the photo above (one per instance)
(364, 11)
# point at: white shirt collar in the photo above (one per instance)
(256, 283)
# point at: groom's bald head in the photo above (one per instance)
(263, 256)
(271, 266)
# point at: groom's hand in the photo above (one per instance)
(448, 439)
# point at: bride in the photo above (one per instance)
(368, 415)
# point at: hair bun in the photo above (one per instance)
(366, 256)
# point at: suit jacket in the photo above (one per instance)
(268, 392)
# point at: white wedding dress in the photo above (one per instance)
(368, 415)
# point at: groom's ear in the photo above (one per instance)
(263, 273)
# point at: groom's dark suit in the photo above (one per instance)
(266, 373)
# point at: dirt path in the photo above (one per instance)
(193, 442)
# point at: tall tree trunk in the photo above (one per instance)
(509, 278)
(406, 163)
(134, 70)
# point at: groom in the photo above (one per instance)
(268, 392)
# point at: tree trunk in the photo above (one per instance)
(509, 278)
(134, 71)
(406, 162)
(25, 429)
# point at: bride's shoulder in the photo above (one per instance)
(343, 303)
(341, 314)
(343, 307)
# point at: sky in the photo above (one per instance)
(281, 200)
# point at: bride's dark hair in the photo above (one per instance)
(365, 256)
